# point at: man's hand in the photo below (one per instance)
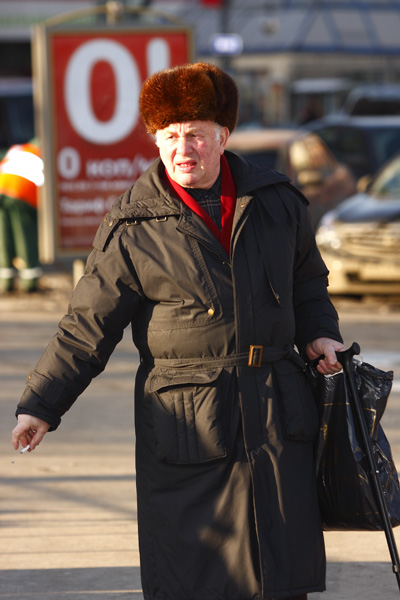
(30, 430)
(327, 348)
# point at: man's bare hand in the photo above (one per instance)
(327, 348)
(30, 430)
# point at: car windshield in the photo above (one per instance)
(387, 183)
(364, 149)
(376, 107)
(386, 141)
(309, 153)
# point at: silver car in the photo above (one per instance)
(360, 239)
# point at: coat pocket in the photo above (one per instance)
(186, 409)
(300, 413)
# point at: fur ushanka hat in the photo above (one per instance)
(194, 92)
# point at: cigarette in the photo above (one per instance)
(24, 449)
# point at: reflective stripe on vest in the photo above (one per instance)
(21, 172)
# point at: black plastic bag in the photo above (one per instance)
(346, 494)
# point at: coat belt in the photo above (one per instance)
(255, 357)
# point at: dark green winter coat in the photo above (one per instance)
(227, 504)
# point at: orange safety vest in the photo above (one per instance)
(21, 173)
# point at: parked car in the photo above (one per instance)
(362, 143)
(16, 112)
(373, 99)
(360, 239)
(304, 158)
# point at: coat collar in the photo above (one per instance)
(249, 177)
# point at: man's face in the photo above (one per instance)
(191, 152)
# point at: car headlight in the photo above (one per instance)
(326, 234)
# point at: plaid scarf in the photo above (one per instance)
(228, 202)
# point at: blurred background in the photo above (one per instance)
(319, 84)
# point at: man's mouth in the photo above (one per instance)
(186, 166)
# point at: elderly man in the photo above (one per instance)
(213, 263)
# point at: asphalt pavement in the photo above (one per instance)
(68, 510)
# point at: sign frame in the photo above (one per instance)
(52, 242)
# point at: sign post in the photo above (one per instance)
(87, 107)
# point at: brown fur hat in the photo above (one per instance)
(194, 92)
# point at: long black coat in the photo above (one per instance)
(227, 505)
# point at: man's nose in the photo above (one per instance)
(183, 145)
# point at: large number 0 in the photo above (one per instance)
(77, 94)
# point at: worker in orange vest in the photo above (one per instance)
(21, 174)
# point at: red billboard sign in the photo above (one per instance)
(99, 146)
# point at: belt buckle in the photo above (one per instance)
(255, 356)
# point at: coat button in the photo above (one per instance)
(211, 311)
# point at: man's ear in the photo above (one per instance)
(224, 138)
